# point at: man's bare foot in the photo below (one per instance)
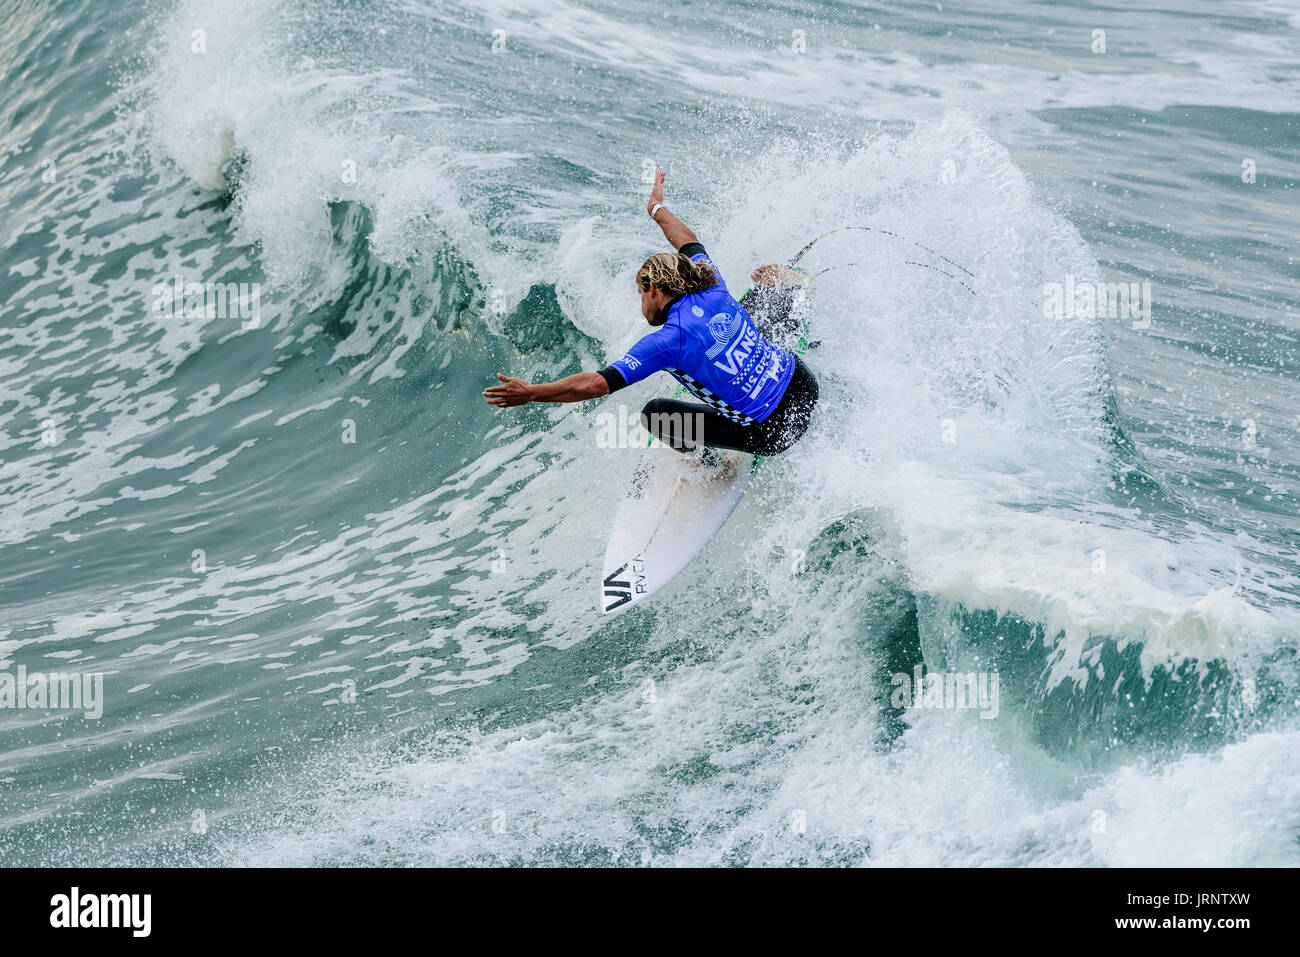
(713, 464)
(777, 276)
(727, 471)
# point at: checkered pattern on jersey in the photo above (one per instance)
(702, 392)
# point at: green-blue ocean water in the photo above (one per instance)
(345, 612)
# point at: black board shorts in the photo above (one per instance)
(687, 425)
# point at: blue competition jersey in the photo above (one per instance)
(711, 346)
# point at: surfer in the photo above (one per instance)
(755, 396)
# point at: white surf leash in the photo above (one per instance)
(800, 254)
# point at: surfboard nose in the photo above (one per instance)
(672, 508)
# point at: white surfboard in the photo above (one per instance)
(672, 508)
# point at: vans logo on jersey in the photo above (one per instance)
(738, 353)
(723, 327)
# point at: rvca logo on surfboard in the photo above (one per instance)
(622, 589)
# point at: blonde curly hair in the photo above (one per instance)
(675, 274)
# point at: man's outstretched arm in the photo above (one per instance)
(675, 231)
(574, 388)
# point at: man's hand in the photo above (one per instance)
(675, 231)
(656, 194)
(513, 392)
